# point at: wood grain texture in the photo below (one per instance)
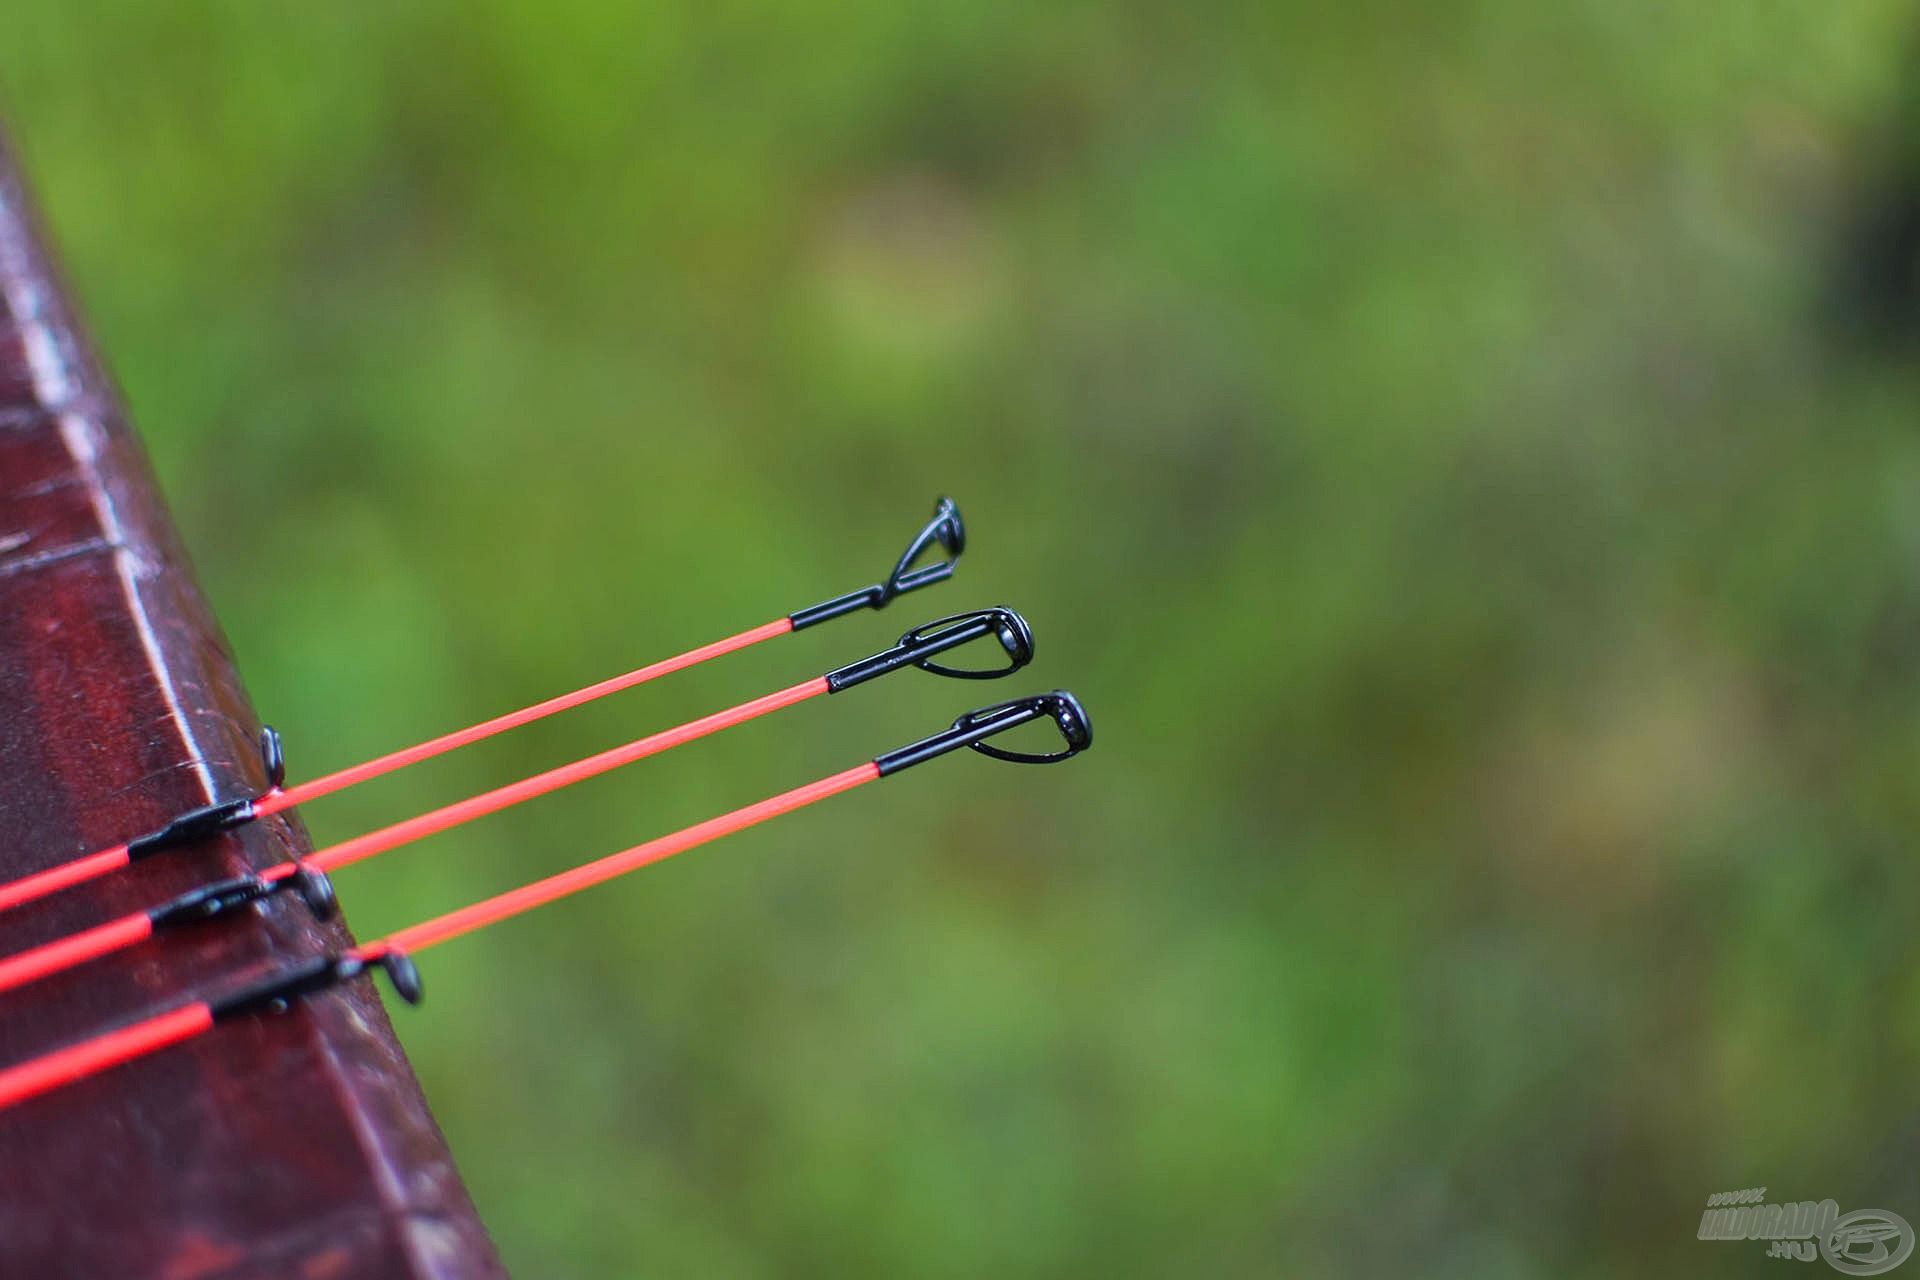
(289, 1146)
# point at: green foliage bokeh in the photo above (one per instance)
(1416, 431)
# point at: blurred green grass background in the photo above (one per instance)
(1420, 433)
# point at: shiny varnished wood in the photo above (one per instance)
(290, 1146)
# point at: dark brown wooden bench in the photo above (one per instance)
(290, 1146)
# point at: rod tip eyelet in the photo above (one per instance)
(952, 530)
(1059, 706)
(316, 890)
(1015, 636)
(273, 757)
(1075, 725)
(404, 975)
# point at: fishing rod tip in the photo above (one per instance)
(1070, 714)
(1066, 711)
(974, 728)
(951, 529)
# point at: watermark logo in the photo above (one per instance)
(1866, 1242)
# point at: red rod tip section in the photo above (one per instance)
(90, 1057)
(65, 876)
(359, 773)
(89, 944)
(540, 892)
(81, 870)
(377, 842)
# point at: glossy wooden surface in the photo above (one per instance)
(290, 1146)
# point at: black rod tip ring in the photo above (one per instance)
(404, 975)
(952, 530)
(273, 757)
